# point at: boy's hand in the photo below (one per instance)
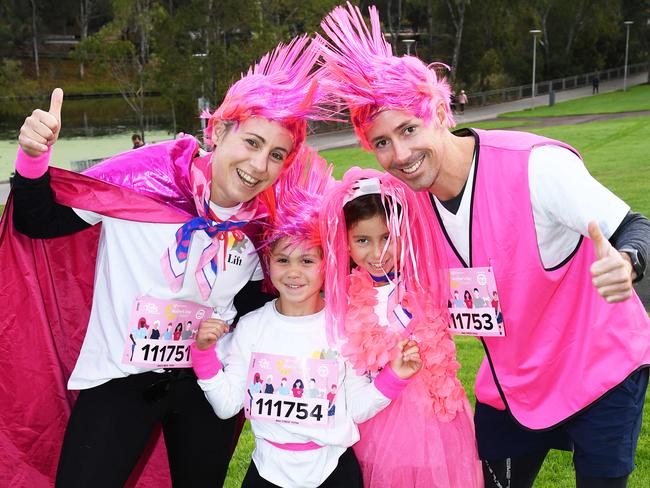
(408, 362)
(210, 331)
(41, 129)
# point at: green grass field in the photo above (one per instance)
(637, 98)
(617, 152)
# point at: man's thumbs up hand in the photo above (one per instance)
(611, 272)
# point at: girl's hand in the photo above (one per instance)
(408, 362)
(209, 333)
(41, 129)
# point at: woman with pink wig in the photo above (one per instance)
(177, 226)
(396, 289)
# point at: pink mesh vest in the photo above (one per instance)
(565, 345)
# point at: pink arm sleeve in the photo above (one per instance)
(205, 362)
(389, 384)
(32, 167)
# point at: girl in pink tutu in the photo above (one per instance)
(386, 282)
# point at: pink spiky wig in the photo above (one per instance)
(281, 87)
(419, 263)
(299, 194)
(361, 70)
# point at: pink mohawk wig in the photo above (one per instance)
(360, 69)
(281, 87)
(420, 266)
(299, 193)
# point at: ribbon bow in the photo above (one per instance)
(174, 260)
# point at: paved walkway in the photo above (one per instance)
(347, 138)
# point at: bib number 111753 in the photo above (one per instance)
(474, 304)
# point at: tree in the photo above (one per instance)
(457, 12)
(35, 39)
(122, 47)
(85, 13)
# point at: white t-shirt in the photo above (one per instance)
(128, 266)
(564, 198)
(265, 330)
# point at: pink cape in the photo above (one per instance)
(45, 312)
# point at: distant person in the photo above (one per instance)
(462, 101)
(137, 141)
(595, 81)
(453, 102)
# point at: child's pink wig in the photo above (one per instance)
(299, 194)
(282, 87)
(421, 265)
(361, 70)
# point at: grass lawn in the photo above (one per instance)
(635, 99)
(617, 152)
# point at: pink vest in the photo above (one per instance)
(565, 345)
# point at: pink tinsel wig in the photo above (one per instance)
(299, 193)
(421, 265)
(282, 87)
(361, 70)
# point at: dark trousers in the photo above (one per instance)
(346, 475)
(111, 424)
(603, 438)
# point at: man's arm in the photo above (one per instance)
(633, 236)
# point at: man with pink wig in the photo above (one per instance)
(569, 369)
(178, 229)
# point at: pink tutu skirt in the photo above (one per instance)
(406, 446)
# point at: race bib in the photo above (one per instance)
(292, 390)
(160, 332)
(474, 307)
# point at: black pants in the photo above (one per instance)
(346, 475)
(111, 424)
(603, 438)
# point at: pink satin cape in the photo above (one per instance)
(44, 315)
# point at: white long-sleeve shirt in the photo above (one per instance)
(267, 331)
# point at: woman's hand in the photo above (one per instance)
(41, 129)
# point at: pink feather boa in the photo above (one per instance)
(370, 346)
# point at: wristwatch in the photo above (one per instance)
(637, 262)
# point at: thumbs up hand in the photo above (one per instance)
(41, 129)
(612, 271)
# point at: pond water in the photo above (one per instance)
(68, 149)
(91, 128)
(87, 117)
